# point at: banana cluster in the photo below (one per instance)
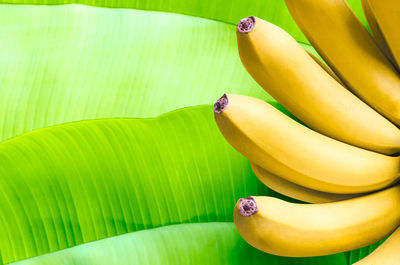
(343, 159)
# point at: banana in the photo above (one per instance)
(302, 230)
(386, 254)
(326, 68)
(295, 191)
(348, 48)
(298, 154)
(283, 68)
(387, 16)
(376, 31)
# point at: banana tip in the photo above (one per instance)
(221, 104)
(247, 207)
(246, 24)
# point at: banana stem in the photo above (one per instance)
(221, 104)
(248, 207)
(246, 24)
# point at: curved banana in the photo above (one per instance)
(376, 31)
(387, 15)
(386, 254)
(288, 149)
(348, 48)
(326, 68)
(302, 230)
(283, 68)
(295, 191)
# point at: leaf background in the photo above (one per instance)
(90, 180)
(73, 62)
(208, 243)
(71, 184)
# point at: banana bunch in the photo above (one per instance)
(343, 159)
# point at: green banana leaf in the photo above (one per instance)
(89, 180)
(206, 243)
(227, 11)
(74, 62)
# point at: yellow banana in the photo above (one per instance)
(386, 254)
(283, 68)
(325, 67)
(295, 191)
(301, 230)
(376, 31)
(348, 48)
(288, 149)
(387, 15)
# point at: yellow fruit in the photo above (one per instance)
(285, 70)
(295, 191)
(348, 48)
(376, 31)
(387, 16)
(386, 254)
(298, 154)
(301, 230)
(325, 67)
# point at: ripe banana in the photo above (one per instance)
(295, 191)
(325, 67)
(298, 154)
(348, 48)
(301, 230)
(386, 254)
(283, 68)
(376, 31)
(387, 15)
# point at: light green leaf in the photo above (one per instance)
(79, 182)
(188, 244)
(228, 11)
(67, 63)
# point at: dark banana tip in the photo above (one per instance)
(221, 104)
(248, 207)
(246, 24)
